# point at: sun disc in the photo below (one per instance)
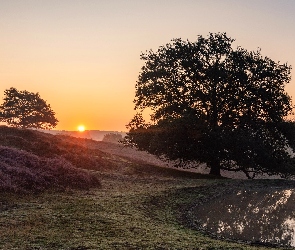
(81, 128)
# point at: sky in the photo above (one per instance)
(83, 56)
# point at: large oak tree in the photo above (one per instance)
(26, 109)
(214, 104)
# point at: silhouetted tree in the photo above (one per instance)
(112, 137)
(214, 104)
(26, 110)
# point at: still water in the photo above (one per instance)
(262, 215)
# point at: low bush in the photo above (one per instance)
(112, 137)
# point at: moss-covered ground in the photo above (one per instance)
(123, 214)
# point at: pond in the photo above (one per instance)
(260, 215)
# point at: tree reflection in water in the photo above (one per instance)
(261, 215)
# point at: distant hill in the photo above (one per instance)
(96, 135)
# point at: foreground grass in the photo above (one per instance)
(123, 214)
(137, 206)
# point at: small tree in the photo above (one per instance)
(26, 110)
(214, 104)
(112, 137)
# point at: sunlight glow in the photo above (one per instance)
(81, 128)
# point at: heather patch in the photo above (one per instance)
(22, 171)
(50, 146)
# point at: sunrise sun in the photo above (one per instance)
(81, 128)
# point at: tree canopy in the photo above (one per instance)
(26, 110)
(214, 104)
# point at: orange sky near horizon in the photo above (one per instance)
(83, 57)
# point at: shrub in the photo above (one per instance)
(112, 137)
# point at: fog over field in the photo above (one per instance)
(96, 135)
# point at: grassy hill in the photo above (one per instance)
(109, 201)
(32, 161)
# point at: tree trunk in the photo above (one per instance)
(214, 164)
(214, 167)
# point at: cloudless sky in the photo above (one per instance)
(83, 56)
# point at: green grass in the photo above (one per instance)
(124, 214)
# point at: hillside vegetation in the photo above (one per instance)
(32, 161)
(36, 161)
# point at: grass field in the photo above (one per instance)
(123, 214)
(135, 206)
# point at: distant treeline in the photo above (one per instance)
(97, 135)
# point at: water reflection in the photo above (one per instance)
(261, 215)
